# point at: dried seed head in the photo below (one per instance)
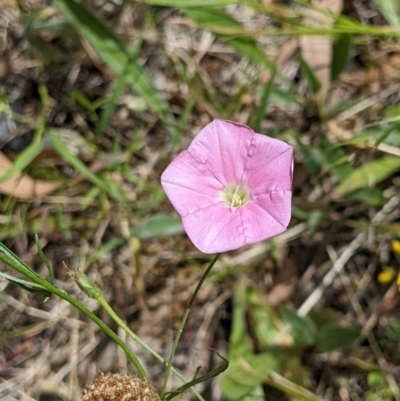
(114, 387)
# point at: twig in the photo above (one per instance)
(367, 103)
(316, 295)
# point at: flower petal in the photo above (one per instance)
(267, 215)
(226, 153)
(215, 229)
(223, 146)
(269, 166)
(189, 185)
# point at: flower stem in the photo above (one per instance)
(106, 329)
(17, 265)
(183, 322)
(106, 306)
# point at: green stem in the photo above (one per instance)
(62, 294)
(183, 322)
(106, 329)
(134, 337)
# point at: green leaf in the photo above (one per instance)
(12, 260)
(310, 157)
(24, 159)
(230, 31)
(114, 54)
(369, 174)
(44, 259)
(196, 380)
(26, 285)
(280, 96)
(266, 92)
(262, 320)
(341, 55)
(333, 336)
(238, 381)
(75, 162)
(390, 10)
(334, 159)
(80, 98)
(159, 225)
(120, 84)
(309, 74)
(104, 249)
(303, 329)
(191, 3)
(370, 196)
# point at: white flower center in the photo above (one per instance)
(235, 195)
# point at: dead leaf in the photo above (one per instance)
(317, 50)
(21, 185)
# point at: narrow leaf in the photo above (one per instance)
(219, 22)
(341, 55)
(264, 101)
(44, 259)
(12, 260)
(311, 160)
(191, 3)
(369, 174)
(159, 225)
(75, 162)
(390, 10)
(196, 380)
(24, 159)
(309, 75)
(26, 285)
(113, 53)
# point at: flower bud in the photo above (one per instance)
(87, 285)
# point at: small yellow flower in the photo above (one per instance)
(396, 247)
(387, 275)
(398, 281)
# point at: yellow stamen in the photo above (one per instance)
(236, 199)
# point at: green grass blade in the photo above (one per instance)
(309, 74)
(23, 160)
(390, 10)
(44, 259)
(341, 55)
(13, 260)
(64, 152)
(369, 174)
(218, 21)
(119, 85)
(26, 285)
(113, 53)
(104, 249)
(159, 225)
(266, 93)
(192, 3)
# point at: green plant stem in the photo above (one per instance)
(62, 294)
(12, 261)
(183, 322)
(106, 306)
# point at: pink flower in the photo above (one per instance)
(232, 187)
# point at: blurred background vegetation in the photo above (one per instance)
(97, 97)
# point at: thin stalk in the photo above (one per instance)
(106, 329)
(106, 306)
(183, 322)
(62, 294)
